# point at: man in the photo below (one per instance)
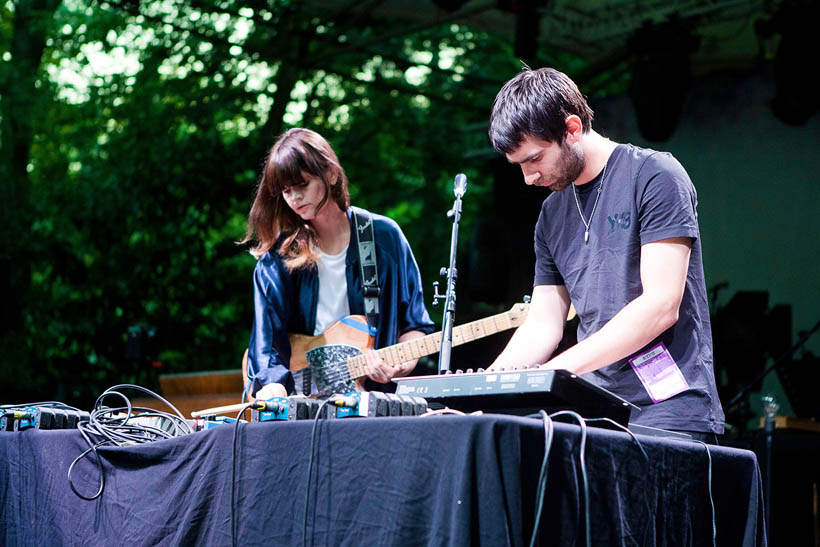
(618, 238)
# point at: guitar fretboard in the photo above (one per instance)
(427, 345)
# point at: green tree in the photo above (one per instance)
(149, 124)
(26, 25)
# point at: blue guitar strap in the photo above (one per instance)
(368, 268)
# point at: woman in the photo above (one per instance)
(307, 275)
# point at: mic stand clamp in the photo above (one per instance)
(451, 274)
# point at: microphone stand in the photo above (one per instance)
(770, 408)
(459, 188)
(779, 362)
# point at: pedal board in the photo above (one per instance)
(357, 404)
(41, 417)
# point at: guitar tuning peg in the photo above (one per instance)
(527, 299)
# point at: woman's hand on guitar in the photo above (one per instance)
(270, 391)
(376, 369)
(379, 371)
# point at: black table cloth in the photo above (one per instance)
(438, 480)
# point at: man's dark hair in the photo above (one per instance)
(536, 103)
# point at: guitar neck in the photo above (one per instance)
(427, 345)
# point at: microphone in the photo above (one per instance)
(460, 185)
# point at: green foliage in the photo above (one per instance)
(151, 123)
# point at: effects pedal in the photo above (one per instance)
(370, 404)
(210, 422)
(287, 409)
(42, 417)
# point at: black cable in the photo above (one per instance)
(711, 499)
(582, 454)
(233, 468)
(107, 426)
(625, 429)
(549, 431)
(646, 460)
(92, 448)
(310, 467)
(582, 423)
(187, 427)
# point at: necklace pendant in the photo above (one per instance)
(586, 236)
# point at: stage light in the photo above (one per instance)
(450, 5)
(795, 99)
(661, 75)
(527, 25)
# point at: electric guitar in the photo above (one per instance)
(334, 361)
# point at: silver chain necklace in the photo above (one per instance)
(594, 205)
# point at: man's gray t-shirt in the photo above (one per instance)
(647, 196)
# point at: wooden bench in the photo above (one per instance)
(192, 391)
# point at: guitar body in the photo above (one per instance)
(319, 363)
(347, 331)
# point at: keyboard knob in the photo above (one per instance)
(459, 371)
(469, 371)
(480, 370)
(448, 371)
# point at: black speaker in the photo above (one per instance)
(795, 478)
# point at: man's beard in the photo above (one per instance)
(570, 166)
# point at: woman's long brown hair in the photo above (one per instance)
(296, 153)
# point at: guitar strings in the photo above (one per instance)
(352, 365)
